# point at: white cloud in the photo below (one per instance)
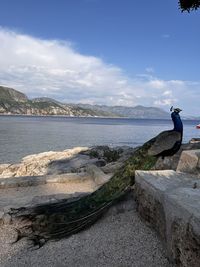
(156, 83)
(164, 102)
(55, 69)
(167, 93)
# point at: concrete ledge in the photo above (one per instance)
(24, 181)
(169, 201)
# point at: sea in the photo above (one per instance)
(25, 135)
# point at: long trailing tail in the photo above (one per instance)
(61, 219)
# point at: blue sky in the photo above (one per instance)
(115, 52)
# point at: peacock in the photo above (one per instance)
(60, 220)
(167, 143)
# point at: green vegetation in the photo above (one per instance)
(111, 155)
(108, 154)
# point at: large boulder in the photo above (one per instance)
(189, 161)
(71, 160)
(51, 162)
(172, 162)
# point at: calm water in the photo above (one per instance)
(20, 136)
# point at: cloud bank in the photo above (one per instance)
(55, 69)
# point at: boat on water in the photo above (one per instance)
(198, 126)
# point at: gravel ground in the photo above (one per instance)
(119, 239)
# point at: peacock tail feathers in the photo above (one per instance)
(66, 217)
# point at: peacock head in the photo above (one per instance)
(176, 110)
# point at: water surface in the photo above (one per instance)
(24, 135)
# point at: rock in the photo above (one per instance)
(1, 217)
(112, 167)
(100, 163)
(67, 161)
(10, 170)
(7, 219)
(98, 175)
(46, 163)
(189, 161)
(169, 202)
(3, 167)
(75, 164)
(194, 140)
(172, 162)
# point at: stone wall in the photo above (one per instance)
(169, 202)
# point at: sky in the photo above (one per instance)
(110, 52)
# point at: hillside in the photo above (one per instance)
(10, 94)
(15, 102)
(137, 112)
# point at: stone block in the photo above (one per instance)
(189, 161)
(169, 201)
(183, 226)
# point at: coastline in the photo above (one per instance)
(95, 117)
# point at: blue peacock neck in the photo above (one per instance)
(178, 125)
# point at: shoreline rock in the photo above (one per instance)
(71, 160)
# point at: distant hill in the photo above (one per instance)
(137, 112)
(15, 102)
(11, 95)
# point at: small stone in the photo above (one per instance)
(7, 219)
(1, 214)
(100, 163)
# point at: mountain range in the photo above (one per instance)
(15, 102)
